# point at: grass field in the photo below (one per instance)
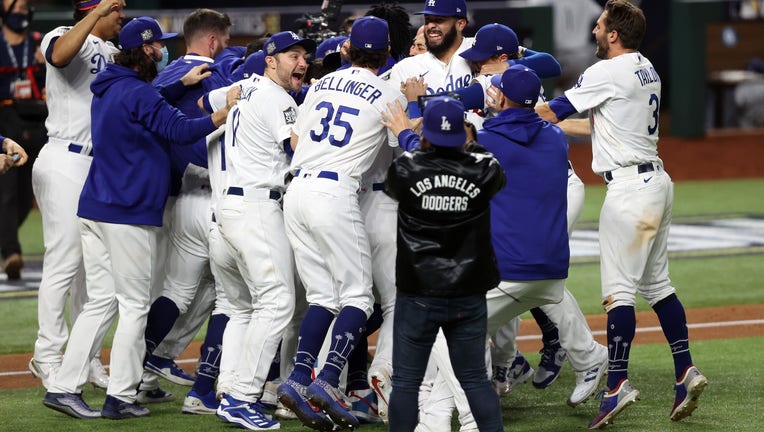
(733, 401)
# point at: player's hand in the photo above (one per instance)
(6, 162)
(397, 121)
(493, 98)
(14, 152)
(105, 7)
(494, 68)
(232, 96)
(413, 88)
(196, 74)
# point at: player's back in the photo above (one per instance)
(339, 125)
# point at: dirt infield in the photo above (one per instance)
(707, 323)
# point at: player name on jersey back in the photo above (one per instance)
(647, 75)
(361, 89)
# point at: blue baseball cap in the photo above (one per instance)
(254, 64)
(519, 84)
(449, 8)
(370, 33)
(140, 31)
(443, 122)
(282, 41)
(330, 46)
(491, 40)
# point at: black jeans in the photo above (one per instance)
(463, 320)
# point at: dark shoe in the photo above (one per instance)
(13, 265)
(116, 409)
(70, 404)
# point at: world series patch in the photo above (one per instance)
(290, 115)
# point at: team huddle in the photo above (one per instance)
(299, 197)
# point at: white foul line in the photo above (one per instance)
(529, 337)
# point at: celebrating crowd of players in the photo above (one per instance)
(286, 194)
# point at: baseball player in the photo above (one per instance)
(119, 224)
(252, 223)
(622, 94)
(336, 137)
(75, 55)
(188, 280)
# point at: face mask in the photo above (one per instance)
(161, 64)
(18, 22)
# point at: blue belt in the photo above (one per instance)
(235, 190)
(641, 169)
(331, 175)
(377, 186)
(76, 148)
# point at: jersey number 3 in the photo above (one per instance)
(654, 127)
(333, 126)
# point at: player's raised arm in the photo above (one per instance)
(63, 50)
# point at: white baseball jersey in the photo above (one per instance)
(624, 133)
(255, 132)
(439, 76)
(68, 88)
(217, 98)
(344, 135)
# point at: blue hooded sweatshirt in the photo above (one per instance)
(529, 216)
(132, 126)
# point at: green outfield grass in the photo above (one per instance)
(732, 403)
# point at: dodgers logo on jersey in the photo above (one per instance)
(580, 80)
(290, 115)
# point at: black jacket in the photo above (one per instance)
(444, 233)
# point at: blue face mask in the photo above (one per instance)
(18, 22)
(161, 64)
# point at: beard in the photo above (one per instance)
(448, 40)
(147, 69)
(602, 50)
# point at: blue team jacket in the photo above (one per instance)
(528, 217)
(132, 126)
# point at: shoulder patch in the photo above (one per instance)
(290, 115)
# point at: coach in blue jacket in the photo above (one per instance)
(120, 210)
(528, 217)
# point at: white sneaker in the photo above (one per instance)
(45, 371)
(382, 384)
(588, 381)
(98, 376)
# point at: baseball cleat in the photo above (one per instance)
(97, 374)
(70, 404)
(589, 380)
(284, 413)
(169, 370)
(292, 395)
(688, 388)
(44, 371)
(116, 409)
(505, 379)
(550, 365)
(194, 403)
(245, 414)
(613, 403)
(382, 385)
(363, 405)
(156, 395)
(333, 402)
(13, 265)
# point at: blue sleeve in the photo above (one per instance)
(545, 65)
(161, 118)
(413, 110)
(562, 107)
(288, 148)
(173, 91)
(408, 140)
(472, 96)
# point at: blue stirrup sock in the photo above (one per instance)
(208, 369)
(674, 324)
(313, 330)
(621, 327)
(348, 330)
(162, 316)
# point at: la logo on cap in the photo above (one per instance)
(147, 34)
(444, 124)
(431, 3)
(294, 35)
